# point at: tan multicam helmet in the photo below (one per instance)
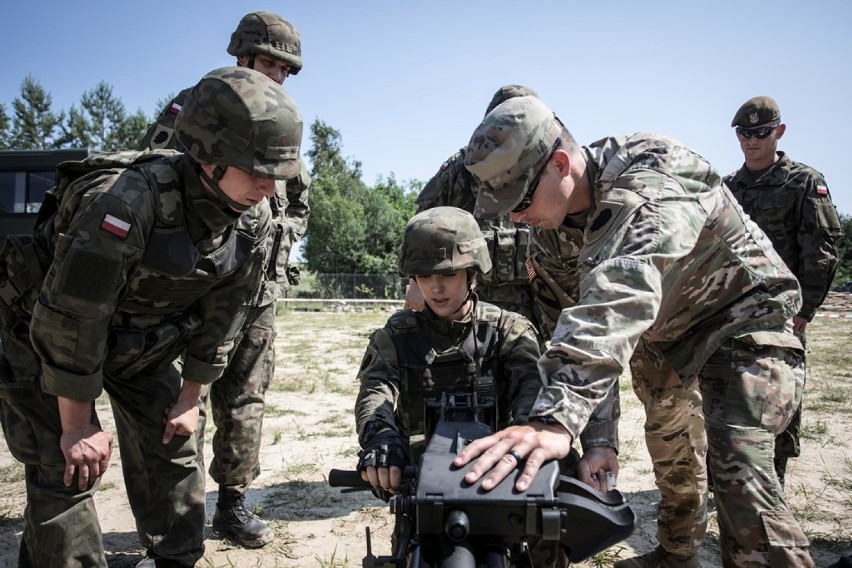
(507, 92)
(239, 117)
(268, 33)
(442, 240)
(504, 149)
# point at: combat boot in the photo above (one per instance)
(659, 558)
(235, 521)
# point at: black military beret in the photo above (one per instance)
(756, 112)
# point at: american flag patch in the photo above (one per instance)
(822, 190)
(115, 226)
(531, 273)
(175, 108)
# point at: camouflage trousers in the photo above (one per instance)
(164, 482)
(748, 394)
(788, 443)
(237, 403)
(677, 444)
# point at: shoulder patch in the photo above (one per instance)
(115, 226)
(821, 190)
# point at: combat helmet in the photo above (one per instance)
(507, 92)
(236, 116)
(270, 34)
(442, 240)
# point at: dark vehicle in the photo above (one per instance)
(443, 522)
(24, 177)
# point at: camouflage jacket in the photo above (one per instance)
(144, 267)
(506, 284)
(289, 206)
(668, 258)
(791, 203)
(417, 356)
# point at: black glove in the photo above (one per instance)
(385, 449)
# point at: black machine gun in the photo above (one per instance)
(443, 521)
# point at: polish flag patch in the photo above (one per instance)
(175, 108)
(115, 226)
(822, 190)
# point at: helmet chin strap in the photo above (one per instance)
(213, 182)
(471, 284)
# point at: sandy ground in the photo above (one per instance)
(308, 430)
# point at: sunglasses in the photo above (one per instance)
(527, 200)
(760, 133)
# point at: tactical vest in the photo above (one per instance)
(172, 268)
(426, 375)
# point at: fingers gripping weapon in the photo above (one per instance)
(441, 520)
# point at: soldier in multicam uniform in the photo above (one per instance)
(138, 285)
(669, 264)
(791, 203)
(506, 285)
(270, 44)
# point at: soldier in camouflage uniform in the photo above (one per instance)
(791, 203)
(267, 43)
(506, 284)
(136, 282)
(674, 422)
(456, 344)
(671, 265)
(449, 346)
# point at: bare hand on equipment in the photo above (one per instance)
(528, 446)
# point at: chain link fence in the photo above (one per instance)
(349, 286)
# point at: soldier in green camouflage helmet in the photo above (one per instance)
(136, 281)
(506, 285)
(791, 203)
(271, 45)
(671, 265)
(445, 252)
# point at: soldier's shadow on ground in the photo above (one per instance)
(301, 501)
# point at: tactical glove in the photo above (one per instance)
(385, 449)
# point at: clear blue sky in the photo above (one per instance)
(406, 82)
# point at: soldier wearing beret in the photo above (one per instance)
(267, 43)
(670, 265)
(792, 204)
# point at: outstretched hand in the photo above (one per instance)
(87, 451)
(528, 446)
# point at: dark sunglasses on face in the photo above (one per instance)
(527, 200)
(760, 133)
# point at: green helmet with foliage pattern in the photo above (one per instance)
(442, 240)
(270, 34)
(236, 116)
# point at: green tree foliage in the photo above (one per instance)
(4, 128)
(35, 124)
(102, 123)
(844, 253)
(354, 229)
